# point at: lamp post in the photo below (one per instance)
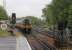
(4, 4)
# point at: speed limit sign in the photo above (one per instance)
(3, 26)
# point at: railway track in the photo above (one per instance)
(49, 34)
(45, 44)
(39, 41)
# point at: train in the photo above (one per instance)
(25, 27)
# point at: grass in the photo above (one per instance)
(3, 33)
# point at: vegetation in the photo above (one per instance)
(4, 33)
(3, 14)
(58, 10)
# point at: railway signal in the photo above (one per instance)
(13, 18)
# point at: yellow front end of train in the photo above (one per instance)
(26, 27)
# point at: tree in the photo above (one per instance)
(70, 18)
(3, 14)
(57, 11)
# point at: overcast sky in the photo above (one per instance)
(26, 7)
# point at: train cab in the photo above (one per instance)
(25, 27)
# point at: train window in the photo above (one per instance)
(26, 21)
